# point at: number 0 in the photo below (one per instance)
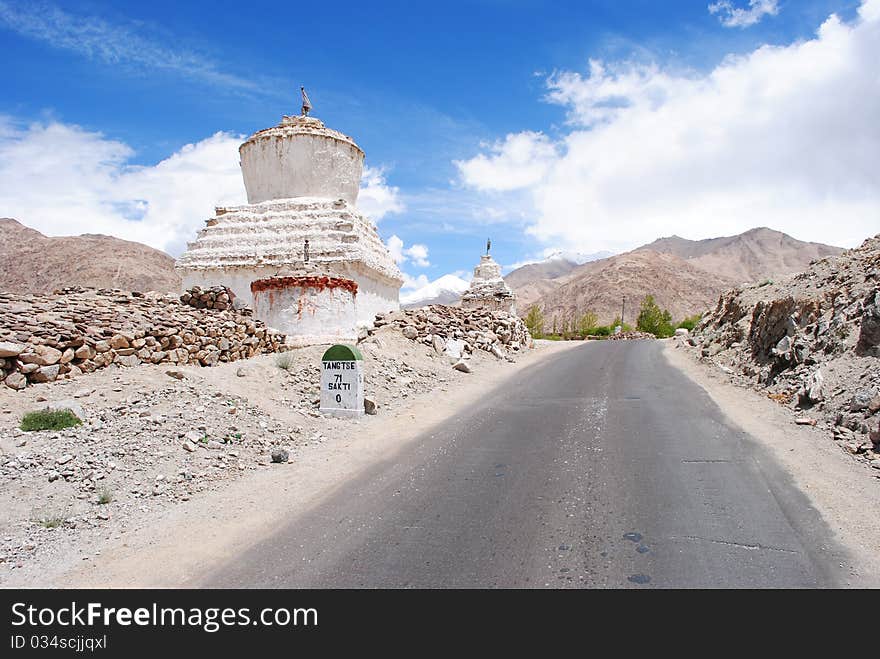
(338, 398)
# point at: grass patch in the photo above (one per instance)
(105, 496)
(49, 519)
(284, 361)
(49, 420)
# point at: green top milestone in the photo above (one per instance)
(342, 353)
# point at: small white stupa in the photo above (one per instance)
(488, 290)
(293, 250)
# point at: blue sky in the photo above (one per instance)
(427, 89)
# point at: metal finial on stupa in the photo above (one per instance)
(488, 245)
(307, 104)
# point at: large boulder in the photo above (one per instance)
(869, 332)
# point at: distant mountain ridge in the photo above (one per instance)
(755, 254)
(685, 276)
(33, 263)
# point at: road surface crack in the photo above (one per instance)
(741, 545)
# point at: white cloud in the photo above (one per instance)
(64, 180)
(412, 283)
(376, 198)
(731, 16)
(519, 161)
(95, 38)
(417, 253)
(785, 137)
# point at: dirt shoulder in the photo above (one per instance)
(846, 492)
(174, 543)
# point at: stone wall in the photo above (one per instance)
(78, 330)
(438, 325)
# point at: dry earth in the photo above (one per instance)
(175, 511)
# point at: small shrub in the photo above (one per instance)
(49, 420)
(105, 496)
(284, 361)
(49, 519)
(690, 322)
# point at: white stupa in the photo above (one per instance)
(301, 221)
(488, 289)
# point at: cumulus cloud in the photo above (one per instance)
(518, 161)
(417, 253)
(732, 16)
(64, 180)
(411, 283)
(376, 198)
(785, 136)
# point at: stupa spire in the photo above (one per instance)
(307, 104)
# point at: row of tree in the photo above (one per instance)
(651, 319)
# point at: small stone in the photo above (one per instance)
(280, 455)
(804, 421)
(370, 406)
(15, 380)
(46, 373)
(9, 349)
(410, 332)
(861, 400)
(462, 366)
(194, 436)
(177, 375)
(188, 446)
(64, 459)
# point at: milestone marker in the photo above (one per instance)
(342, 381)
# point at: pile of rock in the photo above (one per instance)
(811, 342)
(215, 297)
(458, 332)
(631, 336)
(48, 337)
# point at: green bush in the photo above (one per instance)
(690, 322)
(653, 319)
(535, 322)
(49, 420)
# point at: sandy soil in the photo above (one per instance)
(173, 546)
(845, 491)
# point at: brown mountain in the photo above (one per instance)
(33, 263)
(601, 287)
(685, 276)
(756, 254)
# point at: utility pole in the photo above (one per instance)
(622, 312)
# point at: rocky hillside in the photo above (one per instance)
(685, 276)
(760, 253)
(812, 342)
(33, 263)
(600, 287)
(534, 280)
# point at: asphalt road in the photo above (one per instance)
(601, 466)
